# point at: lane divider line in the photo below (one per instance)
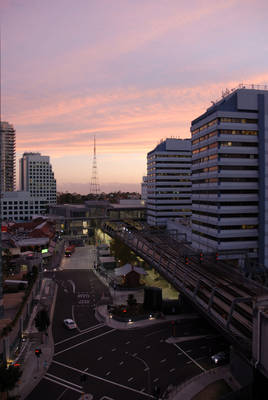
(85, 341)
(187, 355)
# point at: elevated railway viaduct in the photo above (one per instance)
(237, 306)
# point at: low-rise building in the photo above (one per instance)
(21, 206)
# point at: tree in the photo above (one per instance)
(42, 321)
(131, 300)
(9, 377)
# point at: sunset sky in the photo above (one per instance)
(130, 72)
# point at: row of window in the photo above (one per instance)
(186, 210)
(169, 162)
(187, 154)
(225, 191)
(222, 155)
(37, 210)
(225, 120)
(229, 215)
(229, 239)
(220, 180)
(219, 168)
(226, 203)
(224, 143)
(224, 227)
(169, 180)
(225, 132)
(169, 168)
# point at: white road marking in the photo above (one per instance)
(100, 358)
(85, 370)
(63, 380)
(108, 373)
(130, 379)
(156, 379)
(63, 384)
(187, 355)
(92, 328)
(114, 349)
(128, 342)
(104, 380)
(189, 362)
(189, 351)
(121, 363)
(164, 360)
(179, 354)
(134, 355)
(85, 341)
(62, 394)
(172, 370)
(148, 347)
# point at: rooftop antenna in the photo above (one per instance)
(94, 185)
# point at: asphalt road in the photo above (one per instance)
(117, 364)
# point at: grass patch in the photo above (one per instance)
(213, 391)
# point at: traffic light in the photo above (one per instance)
(201, 257)
(38, 352)
(186, 260)
(216, 256)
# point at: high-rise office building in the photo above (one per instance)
(230, 176)
(169, 181)
(8, 159)
(37, 177)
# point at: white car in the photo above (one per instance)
(69, 323)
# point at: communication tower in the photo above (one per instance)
(94, 185)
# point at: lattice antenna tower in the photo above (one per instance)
(94, 185)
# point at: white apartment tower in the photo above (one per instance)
(169, 181)
(8, 144)
(230, 176)
(37, 177)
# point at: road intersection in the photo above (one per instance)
(114, 364)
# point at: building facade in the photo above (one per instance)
(37, 177)
(8, 157)
(230, 177)
(169, 181)
(21, 206)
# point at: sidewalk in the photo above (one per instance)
(33, 368)
(192, 387)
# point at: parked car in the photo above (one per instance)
(220, 358)
(69, 323)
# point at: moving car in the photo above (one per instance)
(69, 323)
(220, 358)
